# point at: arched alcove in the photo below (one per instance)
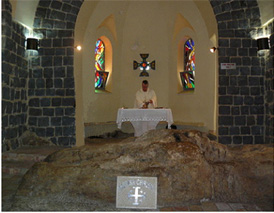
(186, 105)
(153, 31)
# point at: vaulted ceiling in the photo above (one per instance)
(24, 11)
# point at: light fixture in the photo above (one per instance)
(78, 47)
(262, 43)
(213, 49)
(32, 44)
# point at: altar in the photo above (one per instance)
(144, 120)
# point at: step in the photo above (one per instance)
(12, 167)
(35, 154)
(23, 157)
(19, 161)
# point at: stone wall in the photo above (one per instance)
(269, 94)
(51, 80)
(14, 79)
(241, 90)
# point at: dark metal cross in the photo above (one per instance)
(144, 65)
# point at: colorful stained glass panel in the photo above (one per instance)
(100, 75)
(188, 75)
(189, 55)
(99, 55)
(101, 79)
(187, 79)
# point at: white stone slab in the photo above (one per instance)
(136, 192)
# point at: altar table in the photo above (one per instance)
(144, 120)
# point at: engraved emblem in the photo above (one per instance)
(134, 194)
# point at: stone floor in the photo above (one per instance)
(11, 181)
(218, 206)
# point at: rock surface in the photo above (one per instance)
(29, 138)
(190, 166)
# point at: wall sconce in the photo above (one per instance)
(32, 44)
(262, 43)
(78, 47)
(213, 49)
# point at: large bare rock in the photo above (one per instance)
(190, 166)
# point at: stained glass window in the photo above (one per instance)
(101, 79)
(189, 55)
(187, 80)
(100, 75)
(188, 76)
(99, 55)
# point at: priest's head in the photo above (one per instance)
(145, 85)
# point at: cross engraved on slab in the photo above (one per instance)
(136, 195)
(136, 192)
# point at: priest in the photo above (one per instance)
(145, 97)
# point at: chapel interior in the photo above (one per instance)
(48, 91)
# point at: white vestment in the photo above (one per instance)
(142, 97)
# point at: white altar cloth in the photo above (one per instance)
(144, 120)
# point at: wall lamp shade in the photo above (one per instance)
(262, 44)
(32, 44)
(213, 49)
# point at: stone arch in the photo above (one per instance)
(52, 96)
(241, 90)
(238, 124)
(14, 85)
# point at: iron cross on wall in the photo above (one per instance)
(144, 65)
